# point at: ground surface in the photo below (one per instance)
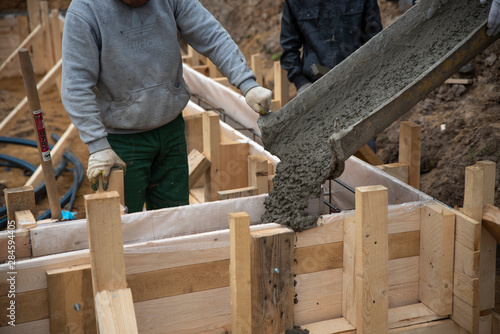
(460, 123)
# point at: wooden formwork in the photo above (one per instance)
(405, 268)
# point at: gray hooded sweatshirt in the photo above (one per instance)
(122, 66)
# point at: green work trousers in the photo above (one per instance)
(157, 166)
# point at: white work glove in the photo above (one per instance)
(303, 88)
(100, 163)
(493, 18)
(259, 97)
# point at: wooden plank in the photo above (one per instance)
(240, 273)
(23, 244)
(194, 131)
(257, 173)
(213, 71)
(474, 192)
(487, 270)
(236, 193)
(48, 49)
(466, 288)
(485, 324)
(198, 165)
(234, 165)
(71, 302)
(280, 85)
(441, 326)
(406, 244)
(318, 258)
(272, 280)
(18, 199)
(195, 56)
(398, 170)
(22, 108)
(55, 31)
(491, 220)
(495, 323)
(436, 259)
(56, 152)
(115, 312)
(467, 231)
(24, 44)
(459, 81)
(348, 271)
(105, 237)
(465, 315)
(29, 306)
(371, 252)
(466, 261)
(40, 326)
(489, 168)
(339, 325)
(256, 66)
(211, 149)
(25, 220)
(318, 296)
(35, 19)
(411, 315)
(366, 154)
(410, 136)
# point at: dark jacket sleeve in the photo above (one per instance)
(371, 19)
(291, 40)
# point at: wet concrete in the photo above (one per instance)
(353, 91)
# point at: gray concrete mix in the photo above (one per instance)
(353, 92)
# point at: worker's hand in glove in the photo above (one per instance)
(259, 97)
(493, 25)
(100, 163)
(303, 88)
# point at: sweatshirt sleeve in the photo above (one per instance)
(80, 72)
(207, 36)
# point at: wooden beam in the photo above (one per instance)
(398, 170)
(234, 165)
(24, 44)
(256, 66)
(410, 137)
(211, 149)
(213, 71)
(23, 244)
(280, 85)
(366, 154)
(194, 56)
(442, 326)
(56, 37)
(47, 37)
(465, 315)
(198, 165)
(409, 315)
(71, 301)
(236, 193)
(371, 263)
(22, 108)
(272, 280)
(116, 183)
(18, 199)
(115, 312)
(459, 81)
(258, 173)
(35, 20)
(25, 220)
(491, 220)
(489, 168)
(436, 259)
(240, 272)
(349, 271)
(105, 237)
(474, 192)
(30, 306)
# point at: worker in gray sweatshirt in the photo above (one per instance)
(123, 88)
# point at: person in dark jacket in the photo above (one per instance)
(326, 31)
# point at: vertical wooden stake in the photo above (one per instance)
(211, 149)
(71, 301)
(56, 36)
(105, 237)
(256, 65)
(18, 199)
(195, 56)
(47, 38)
(410, 136)
(437, 245)
(258, 173)
(280, 85)
(34, 21)
(239, 273)
(348, 271)
(272, 280)
(372, 287)
(489, 168)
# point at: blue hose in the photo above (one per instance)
(70, 195)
